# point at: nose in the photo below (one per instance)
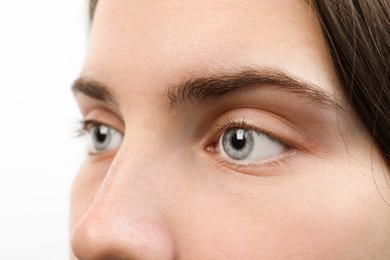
(125, 220)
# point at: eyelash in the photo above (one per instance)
(84, 126)
(112, 138)
(219, 129)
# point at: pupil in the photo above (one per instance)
(100, 135)
(238, 144)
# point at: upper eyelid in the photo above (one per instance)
(100, 112)
(88, 124)
(95, 115)
(219, 129)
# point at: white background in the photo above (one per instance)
(42, 45)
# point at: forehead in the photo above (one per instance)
(173, 38)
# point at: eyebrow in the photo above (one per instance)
(207, 90)
(94, 89)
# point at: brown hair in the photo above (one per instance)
(92, 8)
(358, 38)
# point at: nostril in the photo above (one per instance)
(92, 239)
(88, 242)
(81, 240)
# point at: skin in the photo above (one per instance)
(169, 193)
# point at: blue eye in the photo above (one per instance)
(103, 138)
(247, 145)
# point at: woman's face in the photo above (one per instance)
(218, 130)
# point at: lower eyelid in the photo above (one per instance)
(270, 167)
(98, 157)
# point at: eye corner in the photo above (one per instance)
(212, 147)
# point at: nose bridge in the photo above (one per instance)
(125, 220)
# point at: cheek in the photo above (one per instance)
(321, 226)
(330, 219)
(324, 213)
(85, 187)
(330, 212)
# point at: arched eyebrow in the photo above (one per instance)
(208, 89)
